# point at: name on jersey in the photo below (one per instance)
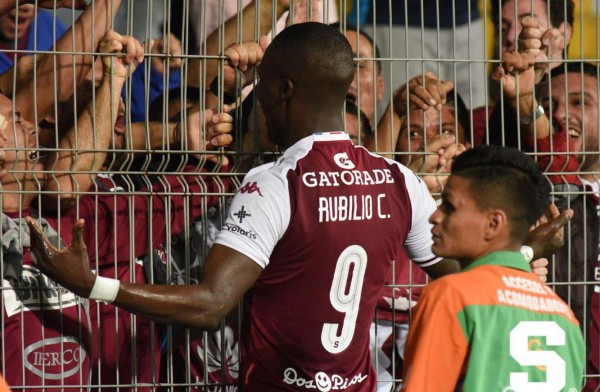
(352, 208)
(323, 381)
(538, 300)
(35, 292)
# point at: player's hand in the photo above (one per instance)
(120, 66)
(68, 267)
(172, 48)
(540, 268)
(424, 92)
(434, 166)
(548, 236)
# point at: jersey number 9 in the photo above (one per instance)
(350, 268)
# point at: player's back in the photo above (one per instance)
(308, 315)
(509, 332)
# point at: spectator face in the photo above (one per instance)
(415, 135)
(366, 77)
(21, 135)
(457, 223)
(575, 107)
(511, 20)
(7, 23)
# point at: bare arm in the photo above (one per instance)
(228, 275)
(442, 268)
(85, 145)
(93, 22)
(197, 68)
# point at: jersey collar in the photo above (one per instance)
(504, 258)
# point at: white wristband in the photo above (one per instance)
(105, 289)
(527, 252)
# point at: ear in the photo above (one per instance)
(286, 89)
(496, 225)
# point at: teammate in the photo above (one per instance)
(494, 326)
(312, 291)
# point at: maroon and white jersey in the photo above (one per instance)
(325, 222)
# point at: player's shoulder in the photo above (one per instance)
(464, 284)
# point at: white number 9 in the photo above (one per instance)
(353, 258)
(519, 350)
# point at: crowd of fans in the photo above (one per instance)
(147, 142)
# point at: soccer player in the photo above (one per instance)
(494, 326)
(311, 237)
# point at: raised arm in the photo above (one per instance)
(197, 69)
(521, 71)
(228, 274)
(84, 146)
(67, 69)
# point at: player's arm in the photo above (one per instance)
(228, 275)
(442, 268)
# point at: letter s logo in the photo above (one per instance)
(341, 159)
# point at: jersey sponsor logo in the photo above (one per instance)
(236, 229)
(34, 292)
(341, 159)
(349, 177)
(251, 187)
(242, 214)
(323, 381)
(54, 358)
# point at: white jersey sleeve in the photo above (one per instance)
(258, 216)
(419, 241)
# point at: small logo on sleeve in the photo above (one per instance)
(242, 214)
(251, 187)
(341, 159)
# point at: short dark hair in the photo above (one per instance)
(559, 11)
(505, 178)
(314, 49)
(582, 67)
(376, 51)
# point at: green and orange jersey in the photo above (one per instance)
(493, 327)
